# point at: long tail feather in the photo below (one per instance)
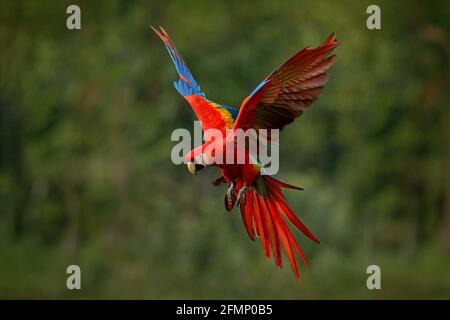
(273, 238)
(284, 184)
(265, 216)
(247, 217)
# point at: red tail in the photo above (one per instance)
(263, 216)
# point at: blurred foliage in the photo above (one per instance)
(85, 170)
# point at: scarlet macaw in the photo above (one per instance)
(276, 102)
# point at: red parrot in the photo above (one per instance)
(276, 102)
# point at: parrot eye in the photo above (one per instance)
(194, 167)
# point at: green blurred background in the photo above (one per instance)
(85, 170)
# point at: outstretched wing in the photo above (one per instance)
(211, 114)
(288, 90)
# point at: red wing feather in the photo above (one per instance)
(287, 91)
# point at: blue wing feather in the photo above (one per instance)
(186, 85)
(233, 112)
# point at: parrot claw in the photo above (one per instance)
(241, 195)
(230, 192)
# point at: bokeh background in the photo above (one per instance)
(85, 170)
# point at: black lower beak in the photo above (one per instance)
(199, 167)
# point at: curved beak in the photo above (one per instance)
(194, 167)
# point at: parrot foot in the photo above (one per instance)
(241, 195)
(230, 192)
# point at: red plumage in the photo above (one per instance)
(265, 216)
(277, 101)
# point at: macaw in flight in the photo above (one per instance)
(277, 101)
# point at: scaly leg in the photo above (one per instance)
(230, 191)
(241, 194)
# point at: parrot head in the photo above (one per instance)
(201, 157)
